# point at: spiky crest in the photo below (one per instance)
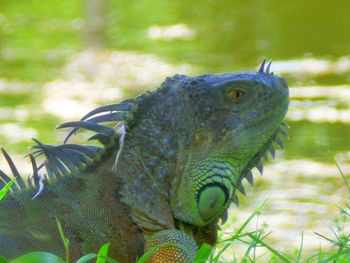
(69, 159)
(258, 162)
(266, 70)
(110, 113)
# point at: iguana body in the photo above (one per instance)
(167, 173)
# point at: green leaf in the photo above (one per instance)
(87, 258)
(102, 256)
(38, 257)
(103, 253)
(345, 253)
(203, 253)
(6, 188)
(3, 260)
(65, 240)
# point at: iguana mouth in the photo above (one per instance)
(257, 160)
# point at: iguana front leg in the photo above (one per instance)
(173, 247)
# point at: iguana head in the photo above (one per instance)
(235, 118)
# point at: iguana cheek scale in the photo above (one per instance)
(164, 175)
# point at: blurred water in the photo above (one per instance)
(40, 53)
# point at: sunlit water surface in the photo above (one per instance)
(46, 78)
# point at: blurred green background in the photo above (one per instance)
(59, 59)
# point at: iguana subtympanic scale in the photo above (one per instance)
(167, 172)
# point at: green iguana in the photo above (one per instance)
(166, 172)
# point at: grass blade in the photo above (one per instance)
(301, 247)
(342, 256)
(239, 231)
(6, 188)
(203, 253)
(341, 172)
(65, 240)
(274, 251)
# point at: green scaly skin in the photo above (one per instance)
(165, 174)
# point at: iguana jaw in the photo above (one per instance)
(234, 141)
(257, 160)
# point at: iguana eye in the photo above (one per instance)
(235, 95)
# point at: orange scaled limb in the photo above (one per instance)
(171, 246)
